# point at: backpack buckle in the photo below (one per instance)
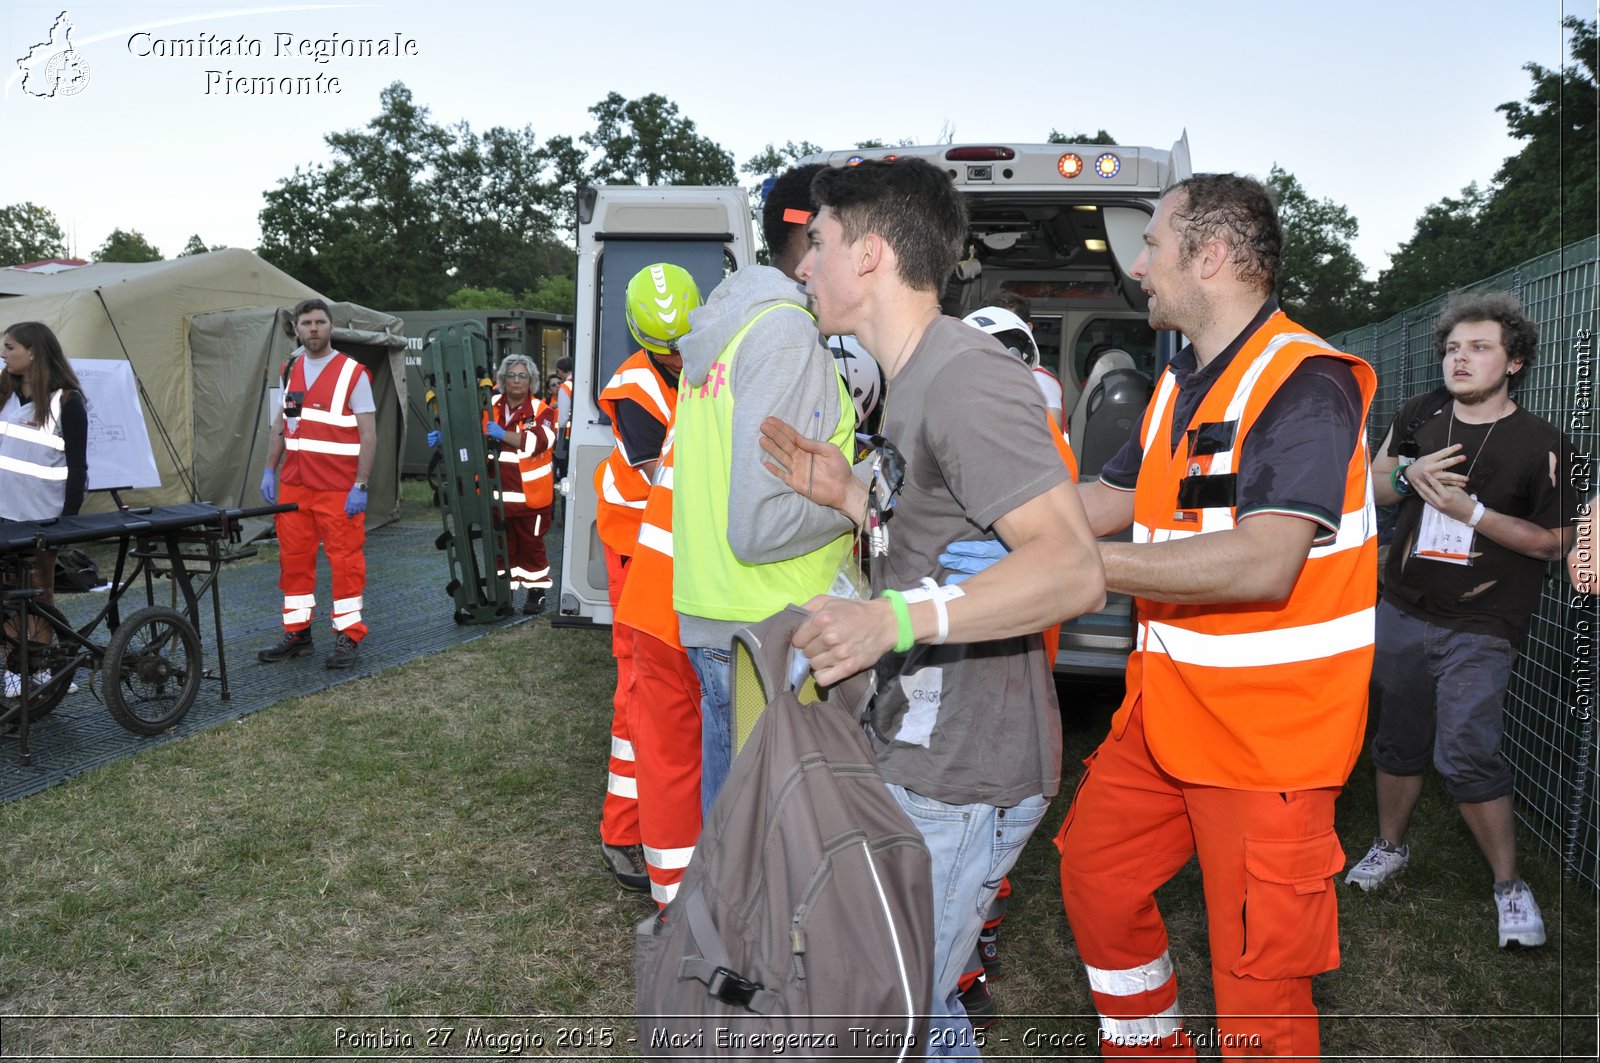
(730, 988)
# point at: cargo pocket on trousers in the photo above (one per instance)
(1291, 911)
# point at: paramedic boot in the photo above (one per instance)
(626, 864)
(1382, 862)
(534, 605)
(345, 652)
(293, 644)
(981, 1009)
(1521, 922)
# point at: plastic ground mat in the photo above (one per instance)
(407, 611)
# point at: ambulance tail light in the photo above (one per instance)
(982, 154)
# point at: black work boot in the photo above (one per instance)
(293, 644)
(345, 652)
(534, 605)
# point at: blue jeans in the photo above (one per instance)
(714, 666)
(973, 847)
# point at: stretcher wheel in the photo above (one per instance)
(463, 616)
(152, 668)
(40, 657)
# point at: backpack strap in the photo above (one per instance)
(1437, 400)
(712, 968)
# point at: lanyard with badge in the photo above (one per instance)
(1441, 537)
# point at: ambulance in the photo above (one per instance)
(1058, 224)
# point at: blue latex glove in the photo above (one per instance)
(495, 432)
(433, 438)
(269, 486)
(968, 558)
(355, 502)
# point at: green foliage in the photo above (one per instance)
(28, 233)
(555, 294)
(646, 141)
(408, 211)
(127, 246)
(772, 161)
(1321, 283)
(197, 246)
(1542, 198)
(482, 299)
(1058, 137)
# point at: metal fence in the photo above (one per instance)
(1550, 706)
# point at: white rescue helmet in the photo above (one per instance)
(1012, 332)
(862, 377)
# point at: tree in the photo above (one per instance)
(1445, 252)
(127, 246)
(28, 233)
(771, 160)
(646, 141)
(407, 212)
(1545, 196)
(1100, 137)
(1320, 283)
(1542, 198)
(482, 299)
(197, 246)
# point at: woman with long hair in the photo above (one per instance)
(44, 440)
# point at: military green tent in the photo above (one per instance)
(205, 336)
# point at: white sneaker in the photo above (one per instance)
(1378, 866)
(1521, 922)
(44, 675)
(13, 685)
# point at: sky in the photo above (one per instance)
(1383, 107)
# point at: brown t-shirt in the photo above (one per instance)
(975, 722)
(1518, 466)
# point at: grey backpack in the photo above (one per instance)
(804, 922)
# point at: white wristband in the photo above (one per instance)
(930, 591)
(1477, 515)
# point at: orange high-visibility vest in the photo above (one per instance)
(526, 483)
(322, 450)
(646, 603)
(1253, 696)
(566, 428)
(621, 489)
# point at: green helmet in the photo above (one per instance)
(660, 297)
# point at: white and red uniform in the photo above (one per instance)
(526, 488)
(322, 450)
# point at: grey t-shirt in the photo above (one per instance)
(973, 722)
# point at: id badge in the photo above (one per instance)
(1443, 538)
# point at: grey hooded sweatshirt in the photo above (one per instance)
(781, 370)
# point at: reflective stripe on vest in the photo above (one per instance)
(622, 488)
(1260, 696)
(524, 472)
(33, 459)
(646, 603)
(322, 450)
(711, 582)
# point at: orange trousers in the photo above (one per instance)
(666, 732)
(619, 815)
(320, 520)
(1267, 861)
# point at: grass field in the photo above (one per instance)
(351, 873)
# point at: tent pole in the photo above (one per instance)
(161, 429)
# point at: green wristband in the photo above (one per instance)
(902, 618)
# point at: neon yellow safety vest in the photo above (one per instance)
(708, 580)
